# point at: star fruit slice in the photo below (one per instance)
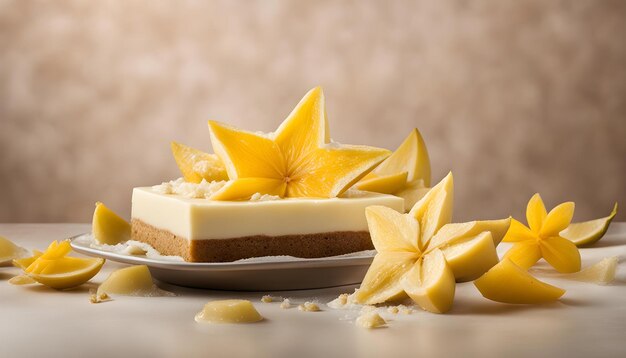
(196, 165)
(297, 160)
(588, 232)
(509, 283)
(412, 192)
(108, 227)
(53, 268)
(10, 251)
(385, 184)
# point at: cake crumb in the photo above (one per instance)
(393, 309)
(285, 304)
(309, 307)
(370, 320)
(135, 250)
(340, 302)
(368, 308)
(404, 309)
(267, 299)
(97, 298)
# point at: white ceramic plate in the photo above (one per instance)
(284, 273)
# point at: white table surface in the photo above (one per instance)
(590, 320)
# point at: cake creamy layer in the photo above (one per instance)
(207, 230)
(203, 219)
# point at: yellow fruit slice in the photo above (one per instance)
(601, 273)
(470, 259)
(20, 280)
(588, 232)
(412, 193)
(509, 283)
(130, 281)
(434, 210)
(430, 283)
(9, 251)
(382, 281)
(108, 227)
(557, 220)
(229, 311)
(524, 254)
(246, 187)
(392, 231)
(457, 232)
(386, 184)
(561, 253)
(411, 157)
(196, 165)
(299, 154)
(67, 272)
(536, 213)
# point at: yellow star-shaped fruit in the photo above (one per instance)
(542, 237)
(297, 160)
(405, 173)
(422, 254)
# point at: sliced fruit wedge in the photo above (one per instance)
(588, 232)
(23, 263)
(509, 283)
(108, 227)
(430, 283)
(412, 193)
(67, 272)
(10, 251)
(196, 165)
(470, 259)
(386, 184)
(601, 273)
(454, 232)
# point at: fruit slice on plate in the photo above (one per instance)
(386, 184)
(471, 258)
(55, 269)
(588, 232)
(509, 283)
(601, 273)
(196, 165)
(108, 227)
(10, 251)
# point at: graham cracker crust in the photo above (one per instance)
(225, 250)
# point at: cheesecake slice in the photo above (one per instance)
(184, 223)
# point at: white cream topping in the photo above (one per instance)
(202, 190)
(201, 219)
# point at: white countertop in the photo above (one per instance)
(590, 320)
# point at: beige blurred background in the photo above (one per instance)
(515, 97)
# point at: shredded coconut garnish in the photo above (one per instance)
(285, 304)
(263, 197)
(202, 190)
(309, 307)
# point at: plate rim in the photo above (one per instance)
(336, 261)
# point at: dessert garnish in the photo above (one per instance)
(131, 281)
(507, 282)
(588, 232)
(298, 160)
(53, 268)
(196, 165)
(309, 307)
(228, 311)
(10, 251)
(602, 272)
(286, 303)
(108, 227)
(405, 173)
(421, 254)
(541, 238)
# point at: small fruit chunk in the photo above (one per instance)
(297, 160)
(509, 283)
(541, 237)
(53, 268)
(108, 227)
(601, 273)
(9, 251)
(196, 165)
(588, 232)
(370, 320)
(405, 173)
(130, 281)
(229, 311)
(20, 280)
